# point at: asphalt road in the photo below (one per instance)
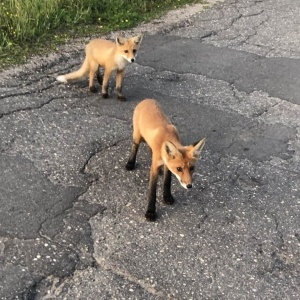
(72, 220)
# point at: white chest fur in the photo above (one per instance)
(121, 63)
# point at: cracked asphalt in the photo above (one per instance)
(72, 220)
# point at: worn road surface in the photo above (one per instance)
(72, 220)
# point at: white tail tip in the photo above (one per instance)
(61, 78)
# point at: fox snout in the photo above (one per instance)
(130, 60)
(186, 185)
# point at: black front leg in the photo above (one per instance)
(167, 197)
(132, 158)
(151, 210)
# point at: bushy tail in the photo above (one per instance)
(75, 75)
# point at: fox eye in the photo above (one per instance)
(126, 51)
(192, 168)
(179, 169)
(134, 50)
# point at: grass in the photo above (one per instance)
(33, 26)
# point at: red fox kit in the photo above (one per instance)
(110, 56)
(151, 125)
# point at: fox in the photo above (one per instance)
(110, 56)
(151, 125)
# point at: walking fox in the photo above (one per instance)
(151, 125)
(110, 56)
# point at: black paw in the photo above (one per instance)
(150, 216)
(168, 199)
(93, 89)
(121, 98)
(104, 95)
(130, 165)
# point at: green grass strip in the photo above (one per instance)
(34, 26)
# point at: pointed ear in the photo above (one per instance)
(138, 39)
(171, 149)
(120, 40)
(197, 148)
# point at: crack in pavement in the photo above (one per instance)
(256, 75)
(33, 91)
(102, 263)
(255, 28)
(38, 106)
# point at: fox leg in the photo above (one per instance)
(135, 147)
(167, 197)
(151, 210)
(106, 76)
(132, 158)
(93, 70)
(119, 79)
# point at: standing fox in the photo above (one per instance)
(151, 125)
(111, 56)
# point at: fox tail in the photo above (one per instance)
(75, 75)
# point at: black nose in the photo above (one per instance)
(189, 186)
(132, 60)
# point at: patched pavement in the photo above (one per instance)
(72, 220)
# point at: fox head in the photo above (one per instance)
(181, 161)
(129, 47)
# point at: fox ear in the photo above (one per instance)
(138, 39)
(171, 149)
(197, 148)
(120, 40)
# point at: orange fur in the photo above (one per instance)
(151, 125)
(110, 56)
